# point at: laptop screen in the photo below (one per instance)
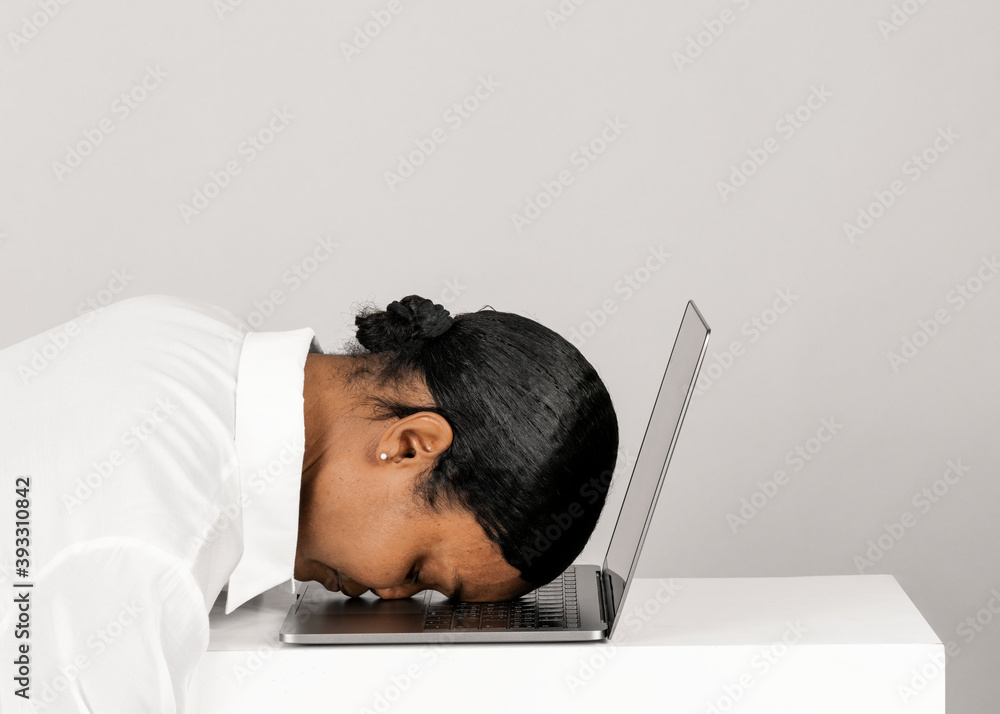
(654, 456)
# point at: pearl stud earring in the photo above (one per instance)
(384, 456)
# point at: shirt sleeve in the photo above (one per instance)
(118, 626)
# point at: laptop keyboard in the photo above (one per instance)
(550, 606)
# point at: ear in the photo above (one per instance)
(415, 440)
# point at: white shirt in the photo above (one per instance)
(162, 444)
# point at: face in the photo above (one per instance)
(362, 528)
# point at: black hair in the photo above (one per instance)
(535, 435)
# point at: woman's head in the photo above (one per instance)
(517, 425)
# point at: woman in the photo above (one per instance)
(157, 452)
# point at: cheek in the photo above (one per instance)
(378, 552)
(334, 516)
(368, 534)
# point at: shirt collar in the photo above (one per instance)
(270, 444)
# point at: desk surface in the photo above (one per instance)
(836, 609)
(822, 644)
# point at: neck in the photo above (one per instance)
(325, 400)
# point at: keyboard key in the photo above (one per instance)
(553, 606)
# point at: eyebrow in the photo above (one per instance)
(456, 594)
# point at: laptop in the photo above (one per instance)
(581, 604)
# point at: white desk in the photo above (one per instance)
(799, 645)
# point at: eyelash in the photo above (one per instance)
(416, 575)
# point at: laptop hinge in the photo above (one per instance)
(605, 598)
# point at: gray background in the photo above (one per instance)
(881, 92)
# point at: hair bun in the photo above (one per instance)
(403, 323)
